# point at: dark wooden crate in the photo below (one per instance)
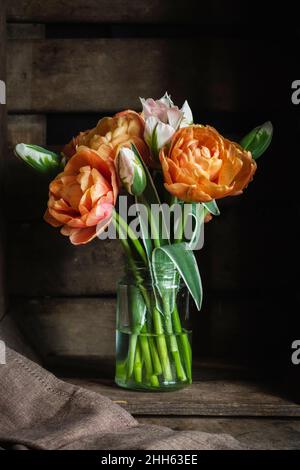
(68, 64)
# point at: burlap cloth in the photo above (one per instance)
(39, 411)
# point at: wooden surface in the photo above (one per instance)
(217, 390)
(254, 434)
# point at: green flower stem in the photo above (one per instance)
(143, 339)
(155, 357)
(173, 343)
(184, 340)
(162, 346)
(154, 381)
(185, 343)
(164, 363)
(161, 340)
(138, 365)
(153, 225)
(146, 355)
(127, 230)
(131, 354)
(121, 370)
(178, 236)
(156, 362)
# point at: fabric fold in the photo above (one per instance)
(40, 411)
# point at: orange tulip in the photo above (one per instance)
(200, 165)
(82, 197)
(112, 133)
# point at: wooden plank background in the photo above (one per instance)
(121, 11)
(62, 79)
(2, 160)
(55, 75)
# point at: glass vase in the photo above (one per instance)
(153, 338)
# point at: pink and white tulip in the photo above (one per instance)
(162, 120)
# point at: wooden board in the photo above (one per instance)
(27, 129)
(2, 153)
(43, 262)
(75, 331)
(75, 75)
(255, 434)
(26, 191)
(226, 328)
(209, 395)
(223, 269)
(143, 11)
(14, 339)
(25, 31)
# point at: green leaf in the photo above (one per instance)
(166, 277)
(150, 193)
(191, 211)
(137, 309)
(186, 264)
(198, 214)
(212, 207)
(258, 140)
(144, 229)
(150, 196)
(154, 144)
(42, 160)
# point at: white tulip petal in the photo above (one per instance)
(150, 125)
(125, 165)
(164, 133)
(166, 99)
(175, 116)
(148, 106)
(187, 115)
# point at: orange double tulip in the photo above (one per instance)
(201, 165)
(112, 133)
(82, 197)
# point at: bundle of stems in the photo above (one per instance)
(159, 351)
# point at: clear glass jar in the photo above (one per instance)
(153, 339)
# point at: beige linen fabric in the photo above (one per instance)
(39, 411)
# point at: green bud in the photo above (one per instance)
(40, 159)
(131, 172)
(258, 140)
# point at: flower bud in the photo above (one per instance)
(39, 158)
(187, 115)
(162, 120)
(157, 135)
(131, 172)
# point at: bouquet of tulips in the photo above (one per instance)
(160, 158)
